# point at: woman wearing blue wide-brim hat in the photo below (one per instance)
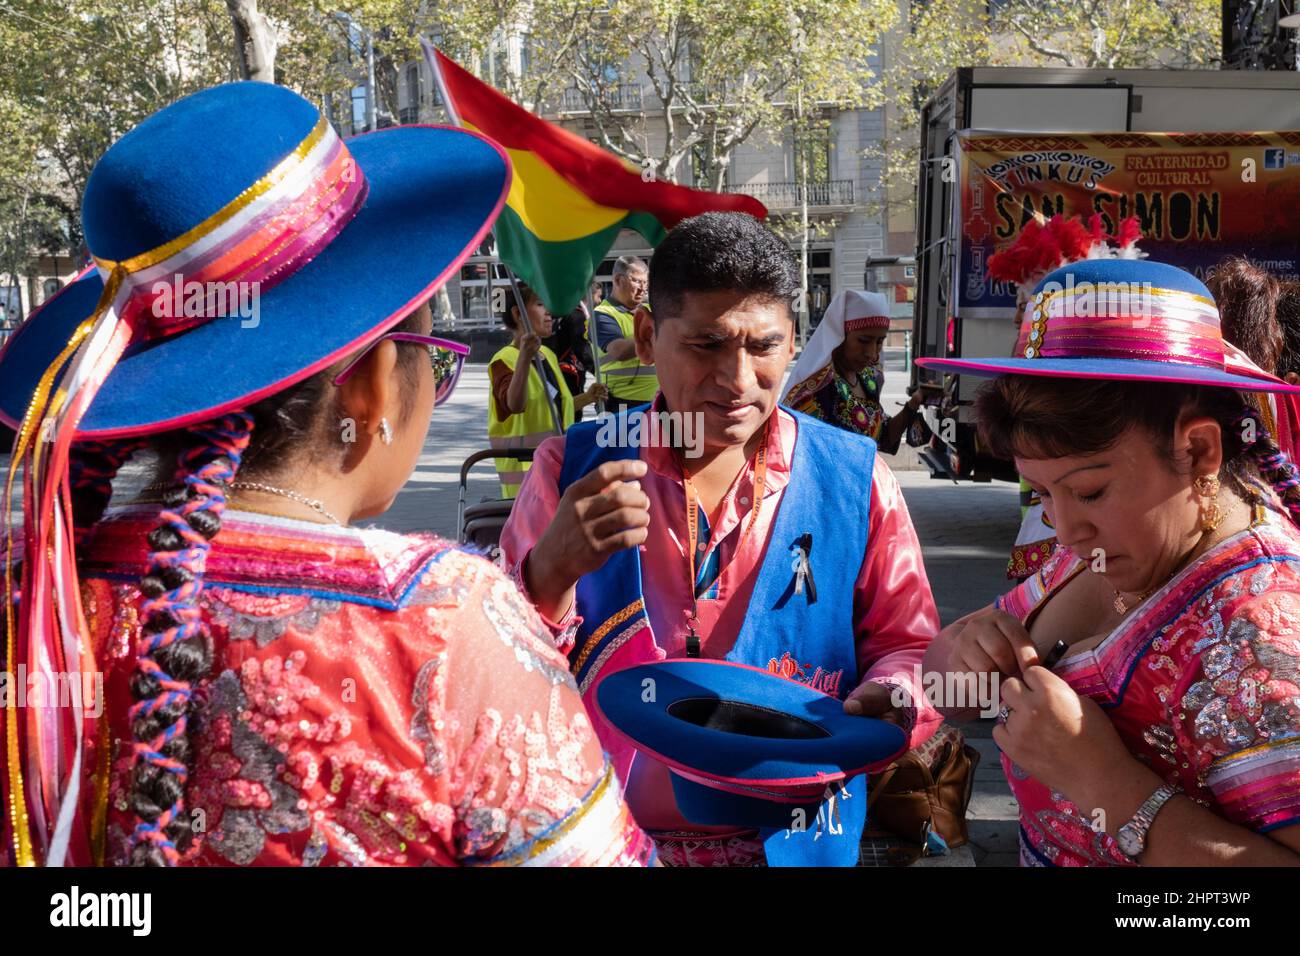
(1164, 729)
(249, 679)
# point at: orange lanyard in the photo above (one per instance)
(693, 532)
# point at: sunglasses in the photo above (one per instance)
(446, 357)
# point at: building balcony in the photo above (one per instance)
(625, 96)
(782, 196)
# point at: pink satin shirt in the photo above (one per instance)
(894, 612)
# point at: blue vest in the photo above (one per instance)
(829, 497)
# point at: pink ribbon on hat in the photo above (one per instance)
(261, 238)
(1142, 323)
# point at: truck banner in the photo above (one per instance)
(1198, 196)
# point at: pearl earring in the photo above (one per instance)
(385, 431)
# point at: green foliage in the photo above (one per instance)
(79, 74)
(716, 72)
(940, 37)
(1112, 33)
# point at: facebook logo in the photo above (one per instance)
(1274, 158)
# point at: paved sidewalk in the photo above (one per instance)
(965, 531)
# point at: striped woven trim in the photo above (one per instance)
(599, 832)
(1257, 786)
(590, 643)
(270, 554)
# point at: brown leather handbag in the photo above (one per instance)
(928, 788)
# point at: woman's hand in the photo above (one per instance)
(596, 392)
(982, 647)
(988, 641)
(529, 346)
(1061, 739)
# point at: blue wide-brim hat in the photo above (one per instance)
(340, 258)
(1122, 320)
(745, 747)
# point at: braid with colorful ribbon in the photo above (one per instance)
(1273, 464)
(91, 470)
(173, 653)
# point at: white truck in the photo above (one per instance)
(1173, 147)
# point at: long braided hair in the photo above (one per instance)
(1273, 464)
(172, 653)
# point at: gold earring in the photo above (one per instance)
(1207, 489)
(385, 431)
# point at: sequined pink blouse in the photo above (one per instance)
(375, 699)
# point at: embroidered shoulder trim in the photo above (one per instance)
(269, 554)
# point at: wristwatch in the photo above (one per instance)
(1132, 836)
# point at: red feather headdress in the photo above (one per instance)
(1042, 247)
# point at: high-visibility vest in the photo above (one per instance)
(528, 428)
(627, 379)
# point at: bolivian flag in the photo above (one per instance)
(568, 198)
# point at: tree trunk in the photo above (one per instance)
(255, 42)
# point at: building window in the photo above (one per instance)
(358, 109)
(500, 73)
(410, 113)
(354, 40)
(414, 92)
(10, 305)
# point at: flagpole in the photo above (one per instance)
(430, 56)
(593, 341)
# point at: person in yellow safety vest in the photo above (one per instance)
(519, 408)
(629, 382)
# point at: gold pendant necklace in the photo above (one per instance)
(1122, 608)
(1207, 542)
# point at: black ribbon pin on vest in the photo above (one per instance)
(802, 566)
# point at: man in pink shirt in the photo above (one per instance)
(657, 551)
